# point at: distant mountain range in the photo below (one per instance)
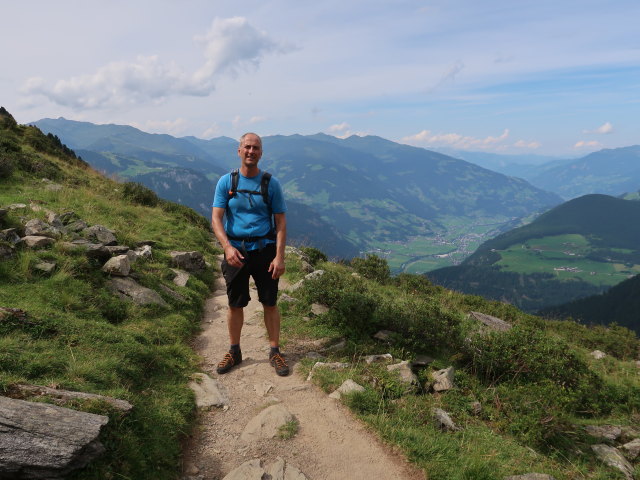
(577, 249)
(610, 171)
(346, 195)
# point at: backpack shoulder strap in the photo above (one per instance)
(264, 187)
(234, 183)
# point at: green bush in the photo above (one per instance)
(525, 355)
(314, 255)
(6, 167)
(139, 194)
(372, 267)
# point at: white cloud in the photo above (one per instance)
(172, 127)
(604, 129)
(211, 132)
(587, 144)
(343, 130)
(229, 45)
(455, 140)
(529, 145)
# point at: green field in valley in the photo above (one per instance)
(566, 257)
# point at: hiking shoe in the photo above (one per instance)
(230, 360)
(277, 361)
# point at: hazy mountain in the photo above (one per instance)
(576, 249)
(611, 172)
(367, 191)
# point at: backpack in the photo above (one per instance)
(264, 191)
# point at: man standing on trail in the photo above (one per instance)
(253, 246)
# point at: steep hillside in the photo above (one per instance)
(620, 305)
(372, 194)
(577, 249)
(67, 324)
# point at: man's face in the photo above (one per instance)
(250, 151)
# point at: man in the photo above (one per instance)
(253, 246)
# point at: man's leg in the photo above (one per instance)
(235, 320)
(272, 323)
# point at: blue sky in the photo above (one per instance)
(545, 77)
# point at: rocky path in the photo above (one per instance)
(329, 444)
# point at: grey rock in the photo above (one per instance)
(9, 235)
(6, 251)
(309, 276)
(384, 335)
(443, 420)
(37, 227)
(598, 354)
(382, 358)
(117, 249)
(42, 441)
(281, 470)
(287, 298)
(340, 345)
(632, 449)
(405, 372)
(36, 241)
(128, 289)
(332, 366)
(443, 379)
(317, 309)
(3, 213)
(144, 251)
(100, 234)
(604, 432)
(53, 187)
(251, 470)
(266, 424)
(16, 206)
(76, 226)
(208, 392)
(306, 267)
(60, 397)
(422, 361)
(190, 261)
(45, 267)
(347, 387)
(119, 266)
(476, 408)
(181, 277)
(493, 323)
(613, 458)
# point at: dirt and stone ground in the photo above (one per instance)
(330, 443)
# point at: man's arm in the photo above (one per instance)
(233, 256)
(277, 266)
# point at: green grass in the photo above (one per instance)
(79, 336)
(536, 384)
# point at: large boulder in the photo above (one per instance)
(189, 261)
(42, 441)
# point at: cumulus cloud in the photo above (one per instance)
(343, 130)
(229, 46)
(455, 140)
(601, 130)
(588, 144)
(211, 132)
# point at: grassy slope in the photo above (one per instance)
(79, 336)
(537, 384)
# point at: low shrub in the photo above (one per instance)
(139, 194)
(372, 267)
(314, 255)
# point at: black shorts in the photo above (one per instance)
(256, 264)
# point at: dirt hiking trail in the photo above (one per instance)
(330, 443)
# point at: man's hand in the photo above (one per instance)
(233, 256)
(277, 268)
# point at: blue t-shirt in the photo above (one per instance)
(247, 215)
